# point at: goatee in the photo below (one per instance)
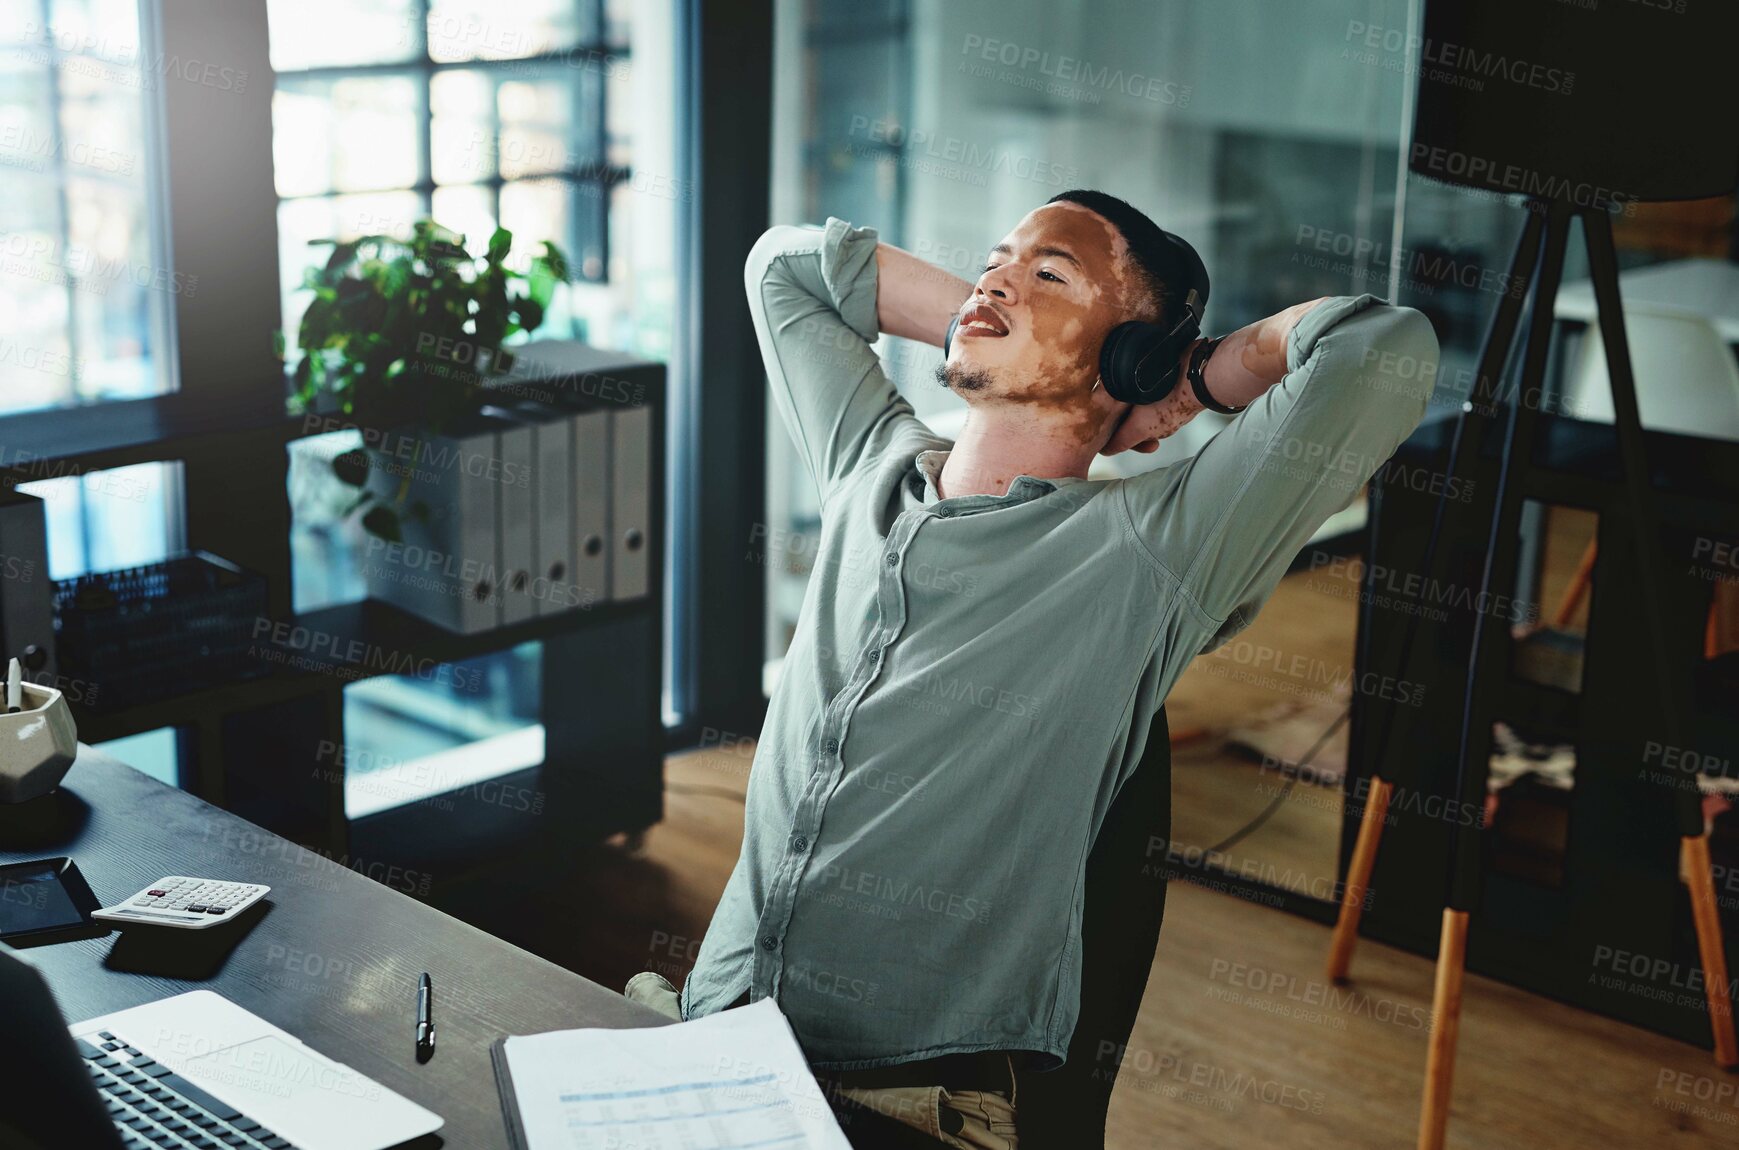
(962, 379)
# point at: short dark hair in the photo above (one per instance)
(1160, 266)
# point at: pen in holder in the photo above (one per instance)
(37, 745)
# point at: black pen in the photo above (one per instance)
(425, 1019)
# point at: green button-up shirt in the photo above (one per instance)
(973, 678)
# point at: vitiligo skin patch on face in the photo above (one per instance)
(1061, 278)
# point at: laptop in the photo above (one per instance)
(192, 1071)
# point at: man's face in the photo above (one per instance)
(1032, 328)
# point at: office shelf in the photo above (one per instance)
(381, 629)
(264, 746)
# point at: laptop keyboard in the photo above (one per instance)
(153, 1107)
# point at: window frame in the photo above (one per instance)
(592, 170)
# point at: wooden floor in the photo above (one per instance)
(1240, 1042)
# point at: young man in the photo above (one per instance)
(988, 633)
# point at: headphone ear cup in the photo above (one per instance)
(1135, 365)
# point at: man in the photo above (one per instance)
(988, 633)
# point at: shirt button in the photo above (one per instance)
(768, 942)
(799, 843)
(831, 746)
(893, 558)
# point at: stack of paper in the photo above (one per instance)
(729, 1081)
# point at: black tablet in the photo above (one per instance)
(38, 898)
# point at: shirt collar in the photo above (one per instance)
(929, 467)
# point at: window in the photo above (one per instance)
(477, 115)
(84, 283)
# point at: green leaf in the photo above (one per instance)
(341, 254)
(351, 467)
(540, 286)
(499, 243)
(558, 262)
(382, 523)
(530, 314)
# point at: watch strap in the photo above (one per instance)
(1199, 360)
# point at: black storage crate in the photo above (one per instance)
(143, 633)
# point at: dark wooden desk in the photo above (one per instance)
(334, 960)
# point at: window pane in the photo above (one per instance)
(328, 33)
(470, 211)
(514, 124)
(537, 127)
(351, 134)
(105, 29)
(27, 140)
(83, 287)
(107, 520)
(486, 30)
(38, 367)
(101, 126)
(462, 131)
(109, 250)
(539, 210)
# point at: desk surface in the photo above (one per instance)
(334, 960)
(1710, 288)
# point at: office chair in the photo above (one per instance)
(1065, 1109)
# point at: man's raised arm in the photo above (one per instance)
(1354, 377)
(818, 301)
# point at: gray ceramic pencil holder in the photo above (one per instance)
(37, 745)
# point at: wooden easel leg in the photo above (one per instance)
(1698, 874)
(1445, 1027)
(1352, 901)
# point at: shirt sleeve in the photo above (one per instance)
(812, 294)
(1227, 522)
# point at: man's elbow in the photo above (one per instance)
(764, 256)
(1400, 356)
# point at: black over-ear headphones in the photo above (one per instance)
(1138, 362)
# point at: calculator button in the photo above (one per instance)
(215, 909)
(198, 908)
(156, 893)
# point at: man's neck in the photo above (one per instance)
(999, 443)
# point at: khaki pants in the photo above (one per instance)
(968, 1119)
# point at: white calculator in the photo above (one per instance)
(185, 903)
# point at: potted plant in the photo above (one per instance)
(411, 331)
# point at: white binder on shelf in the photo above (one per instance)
(630, 501)
(446, 566)
(516, 520)
(552, 487)
(591, 437)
